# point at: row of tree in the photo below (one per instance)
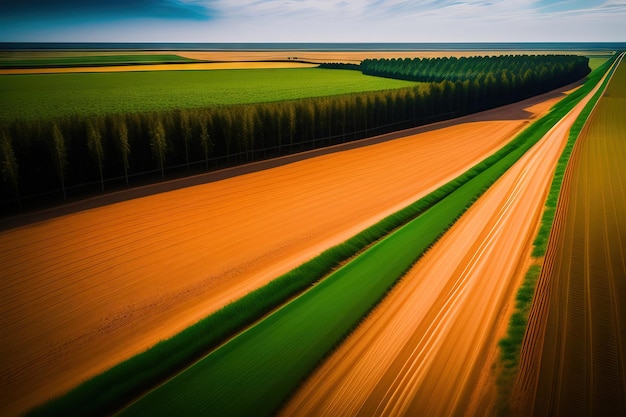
(52, 155)
(467, 68)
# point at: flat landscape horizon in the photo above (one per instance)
(197, 218)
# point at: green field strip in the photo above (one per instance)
(47, 96)
(510, 345)
(110, 390)
(92, 60)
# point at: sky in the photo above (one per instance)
(312, 21)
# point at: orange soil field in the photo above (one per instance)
(574, 357)
(423, 349)
(86, 290)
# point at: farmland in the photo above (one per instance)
(574, 347)
(456, 200)
(42, 96)
(348, 294)
(133, 273)
(188, 133)
(162, 283)
(423, 343)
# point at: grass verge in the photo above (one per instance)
(255, 371)
(511, 344)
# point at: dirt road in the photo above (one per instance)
(81, 292)
(421, 352)
(574, 357)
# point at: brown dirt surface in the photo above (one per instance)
(83, 291)
(573, 360)
(423, 349)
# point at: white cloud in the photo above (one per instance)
(378, 21)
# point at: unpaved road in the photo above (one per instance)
(81, 292)
(574, 358)
(422, 350)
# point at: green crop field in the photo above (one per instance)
(89, 60)
(596, 62)
(44, 96)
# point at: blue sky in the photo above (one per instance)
(312, 20)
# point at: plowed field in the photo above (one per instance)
(84, 291)
(581, 358)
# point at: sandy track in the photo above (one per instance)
(422, 350)
(84, 291)
(574, 354)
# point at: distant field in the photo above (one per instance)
(595, 62)
(44, 96)
(88, 60)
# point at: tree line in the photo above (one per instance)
(52, 156)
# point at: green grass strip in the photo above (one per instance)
(109, 391)
(510, 345)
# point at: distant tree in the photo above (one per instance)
(226, 123)
(8, 164)
(94, 143)
(186, 133)
(121, 140)
(205, 141)
(158, 144)
(246, 130)
(60, 155)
